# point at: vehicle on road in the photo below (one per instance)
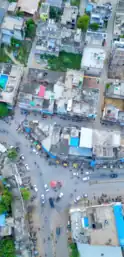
(78, 198)
(114, 175)
(42, 199)
(58, 231)
(46, 188)
(86, 178)
(27, 167)
(51, 202)
(59, 196)
(22, 157)
(35, 188)
(104, 166)
(85, 195)
(75, 174)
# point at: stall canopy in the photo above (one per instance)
(53, 183)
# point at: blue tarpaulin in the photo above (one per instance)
(86, 223)
(122, 160)
(89, 8)
(28, 130)
(74, 141)
(119, 220)
(93, 163)
(2, 220)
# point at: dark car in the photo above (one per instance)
(114, 175)
(58, 231)
(51, 202)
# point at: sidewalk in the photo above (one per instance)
(37, 224)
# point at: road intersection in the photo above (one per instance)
(71, 185)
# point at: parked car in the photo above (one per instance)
(35, 188)
(85, 195)
(78, 198)
(58, 231)
(114, 175)
(27, 167)
(59, 196)
(86, 178)
(51, 202)
(42, 199)
(22, 157)
(46, 188)
(75, 174)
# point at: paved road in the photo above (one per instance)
(103, 175)
(53, 173)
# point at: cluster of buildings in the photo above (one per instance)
(14, 225)
(116, 61)
(73, 142)
(113, 111)
(65, 94)
(98, 229)
(53, 37)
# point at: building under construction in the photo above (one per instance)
(116, 63)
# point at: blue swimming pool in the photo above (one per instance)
(3, 81)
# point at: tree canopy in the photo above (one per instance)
(30, 28)
(12, 154)
(94, 26)
(7, 248)
(25, 194)
(55, 13)
(3, 108)
(74, 250)
(83, 22)
(6, 200)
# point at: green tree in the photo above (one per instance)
(2, 208)
(5, 202)
(12, 154)
(83, 22)
(7, 248)
(6, 198)
(55, 13)
(3, 108)
(20, 13)
(94, 26)
(74, 251)
(25, 194)
(30, 28)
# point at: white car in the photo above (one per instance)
(35, 188)
(22, 157)
(27, 167)
(11, 147)
(87, 172)
(85, 195)
(86, 178)
(34, 150)
(75, 174)
(61, 195)
(46, 188)
(78, 198)
(42, 199)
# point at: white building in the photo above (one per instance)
(93, 60)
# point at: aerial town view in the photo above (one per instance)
(62, 128)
